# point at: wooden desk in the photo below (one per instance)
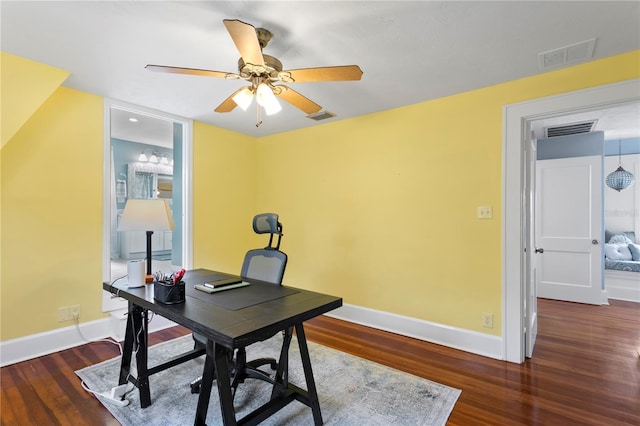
(229, 319)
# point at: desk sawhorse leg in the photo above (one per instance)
(216, 366)
(311, 394)
(282, 393)
(137, 332)
(137, 323)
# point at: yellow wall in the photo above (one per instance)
(381, 209)
(52, 214)
(24, 85)
(223, 200)
(52, 210)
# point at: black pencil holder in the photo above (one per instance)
(168, 293)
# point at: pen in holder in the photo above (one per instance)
(165, 291)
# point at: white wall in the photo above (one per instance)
(622, 209)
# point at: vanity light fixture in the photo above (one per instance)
(153, 158)
(142, 157)
(164, 160)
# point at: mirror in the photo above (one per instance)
(150, 180)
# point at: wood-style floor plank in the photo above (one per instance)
(585, 371)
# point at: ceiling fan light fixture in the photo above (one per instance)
(243, 98)
(264, 73)
(273, 108)
(266, 99)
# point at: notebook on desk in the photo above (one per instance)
(208, 288)
(222, 282)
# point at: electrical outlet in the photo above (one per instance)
(74, 312)
(63, 314)
(485, 212)
(487, 320)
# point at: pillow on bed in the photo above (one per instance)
(610, 234)
(635, 252)
(620, 239)
(617, 252)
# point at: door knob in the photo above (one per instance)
(539, 250)
(594, 242)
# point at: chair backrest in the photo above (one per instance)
(266, 264)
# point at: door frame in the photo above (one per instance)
(110, 303)
(517, 119)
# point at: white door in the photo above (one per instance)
(569, 229)
(530, 255)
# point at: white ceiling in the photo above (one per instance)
(410, 52)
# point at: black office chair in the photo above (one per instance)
(265, 264)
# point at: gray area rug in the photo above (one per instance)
(352, 390)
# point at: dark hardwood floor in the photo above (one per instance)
(585, 370)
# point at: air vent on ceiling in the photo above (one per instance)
(321, 115)
(566, 55)
(570, 129)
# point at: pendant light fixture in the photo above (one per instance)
(620, 179)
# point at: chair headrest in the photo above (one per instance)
(267, 223)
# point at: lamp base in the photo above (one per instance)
(148, 279)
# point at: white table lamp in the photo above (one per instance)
(146, 215)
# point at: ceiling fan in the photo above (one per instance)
(263, 72)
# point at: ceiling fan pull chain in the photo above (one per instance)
(258, 121)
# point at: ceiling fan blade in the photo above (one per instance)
(339, 73)
(190, 71)
(246, 41)
(297, 100)
(228, 104)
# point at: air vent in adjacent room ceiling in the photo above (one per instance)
(321, 115)
(570, 129)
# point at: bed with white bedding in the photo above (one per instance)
(622, 266)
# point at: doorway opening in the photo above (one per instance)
(147, 155)
(517, 124)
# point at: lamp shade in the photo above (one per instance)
(267, 99)
(146, 215)
(620, 179)
(243, 98)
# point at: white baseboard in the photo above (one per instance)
(35, 345)
(28, 347)
(465, 340)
